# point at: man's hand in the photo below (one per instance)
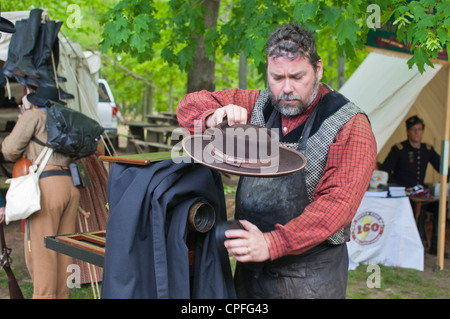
(247, 245)
(233, 113)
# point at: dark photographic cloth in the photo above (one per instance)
(146, 255)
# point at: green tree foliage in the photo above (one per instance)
(341, 27)
(154, 38)
(424, 23)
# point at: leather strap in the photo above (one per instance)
(36, 140)
(56, 172)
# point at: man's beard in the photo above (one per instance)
(295, 109)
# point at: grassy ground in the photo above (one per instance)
(394, 283)
(398, 283)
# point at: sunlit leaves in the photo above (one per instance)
(425, 26)
(420, 58)
(131, 27)
(134, 26)
(331, 15)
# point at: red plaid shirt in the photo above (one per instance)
(351, 160)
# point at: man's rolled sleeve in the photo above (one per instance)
(198, 106)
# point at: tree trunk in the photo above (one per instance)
(201, 75)
(171, 96)
(150, 100)
(341, 72)
(144, 104)
(243, 70)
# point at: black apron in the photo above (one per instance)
(321, 272)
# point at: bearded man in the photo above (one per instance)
(296, 226)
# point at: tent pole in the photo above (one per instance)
(443, 191)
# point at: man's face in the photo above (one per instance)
(415, 133)
(293, 84)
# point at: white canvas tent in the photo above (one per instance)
(389, 92)
(81, 69)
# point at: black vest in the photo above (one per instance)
(333, 112)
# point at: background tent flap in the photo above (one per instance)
(389, 92)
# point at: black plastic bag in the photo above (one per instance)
(71, 132)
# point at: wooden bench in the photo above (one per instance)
(137, 129)
(162, 119)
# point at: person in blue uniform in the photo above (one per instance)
(407, 163)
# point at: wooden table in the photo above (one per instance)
(88, 247)
(416, 203)
(383, 231)
(155, 137)
(162, 119)
(137, 129)
(160, 134)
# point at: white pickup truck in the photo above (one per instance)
(107, 111)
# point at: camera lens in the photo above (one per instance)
(201, 217)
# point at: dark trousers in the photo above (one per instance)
(432, 208)
(317, 274)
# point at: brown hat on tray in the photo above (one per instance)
(244, 150)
